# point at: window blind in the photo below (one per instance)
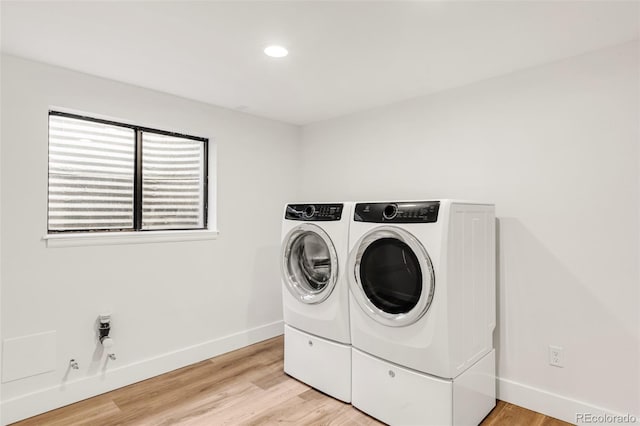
(173, 175)
(91, 175)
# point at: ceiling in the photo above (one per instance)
(344, 56)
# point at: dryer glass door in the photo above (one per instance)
(393, 279)
(390, 275)
(310, 266)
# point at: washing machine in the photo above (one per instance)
(422, 293)
(317, 338)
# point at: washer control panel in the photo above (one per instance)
(314, 212)
(397, 212)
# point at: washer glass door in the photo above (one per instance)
(309, 263)
(393, 279)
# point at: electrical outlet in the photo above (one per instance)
(556, 356)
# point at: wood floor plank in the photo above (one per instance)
(92, 411)
(312, 394)
(492, 418)
(355, 417)
(278, 413)
(518, 416)
(244, 387)
(244, 410)
(190, 407)
(270, 380)
(550, 421)
(317, 412)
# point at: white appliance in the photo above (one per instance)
(317, 342)
(422, 288)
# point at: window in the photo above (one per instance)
(108, 176)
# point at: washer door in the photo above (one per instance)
(393, 279)
(309, 263)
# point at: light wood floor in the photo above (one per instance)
(244, 387)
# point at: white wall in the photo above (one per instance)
(556, 148)
(173, 303)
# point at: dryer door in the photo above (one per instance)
(309, 263)
(393, 279)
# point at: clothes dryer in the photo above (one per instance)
(316, 297)
(422, 285)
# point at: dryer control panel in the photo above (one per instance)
(314, 212)
(397, 212)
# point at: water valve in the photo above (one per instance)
(107, 342)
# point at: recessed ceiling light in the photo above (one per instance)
(276, 51)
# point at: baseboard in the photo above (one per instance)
(28, 405)
(554, 405)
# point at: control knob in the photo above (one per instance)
(390, 211)
(309, 211)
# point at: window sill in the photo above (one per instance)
(115, 238)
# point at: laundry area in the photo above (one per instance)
(319, 212)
